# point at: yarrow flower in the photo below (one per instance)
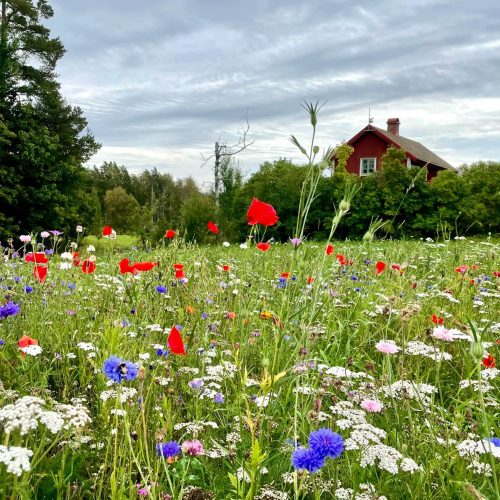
(168, 450)
(118, 370)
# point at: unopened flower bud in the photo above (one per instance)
(477, 350)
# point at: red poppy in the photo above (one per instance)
(310, 280)
(144, 266)
(178, 267)
(107, 230)
(175, 342)
(437, 320)
(261, 213)
(264, 247)
(461, 269)
(40, 273)
(329, 249)
(88, 266)
(125, 266)
(285, 275)
(489, 361)
(380, 267)
(37, 257)
(342, 260)
(396, 267)
(225, 267)
(496, 274)
(170, 233)
(76, 260)
(179, 273)
(230, 315)
(26, 341)
(212, 227)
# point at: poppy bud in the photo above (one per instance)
(477, 350)
(344, 206)
(316, 150)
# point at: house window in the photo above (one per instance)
(367, 166)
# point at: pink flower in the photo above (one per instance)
(387, 347)
(442, 333)
(192, 448)
(372, 405)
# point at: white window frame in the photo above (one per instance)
(374, 158)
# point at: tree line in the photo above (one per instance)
(460, 203)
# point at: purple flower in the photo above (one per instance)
(196, 383)
(326, 443)
(161, 289)
(219, 398)
(9, 309)
(55, 232)
(118, 370)
(295, 242)
(307, 459)
(168, 450)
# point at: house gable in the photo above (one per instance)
(371, 143)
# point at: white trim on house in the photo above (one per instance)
(408, 162)
(368, 170)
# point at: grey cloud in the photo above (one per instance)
(174, 76)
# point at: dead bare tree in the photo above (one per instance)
(225, 152)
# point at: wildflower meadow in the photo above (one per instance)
(256, 370)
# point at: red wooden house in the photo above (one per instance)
(371, 143)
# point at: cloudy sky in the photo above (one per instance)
(160, 82)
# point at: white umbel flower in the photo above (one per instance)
(16, 459)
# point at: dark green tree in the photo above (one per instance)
(43, 140)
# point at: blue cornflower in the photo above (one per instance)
(118, 370)
(9, 309)
(204, 315)
(2, 342)
(161, 352)
(17, 279)
(168, 450)
(161, 289)
(132, 311)
(326, 443)
(28, 289)
(219, 398)
(307, 459)
(495, 441)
